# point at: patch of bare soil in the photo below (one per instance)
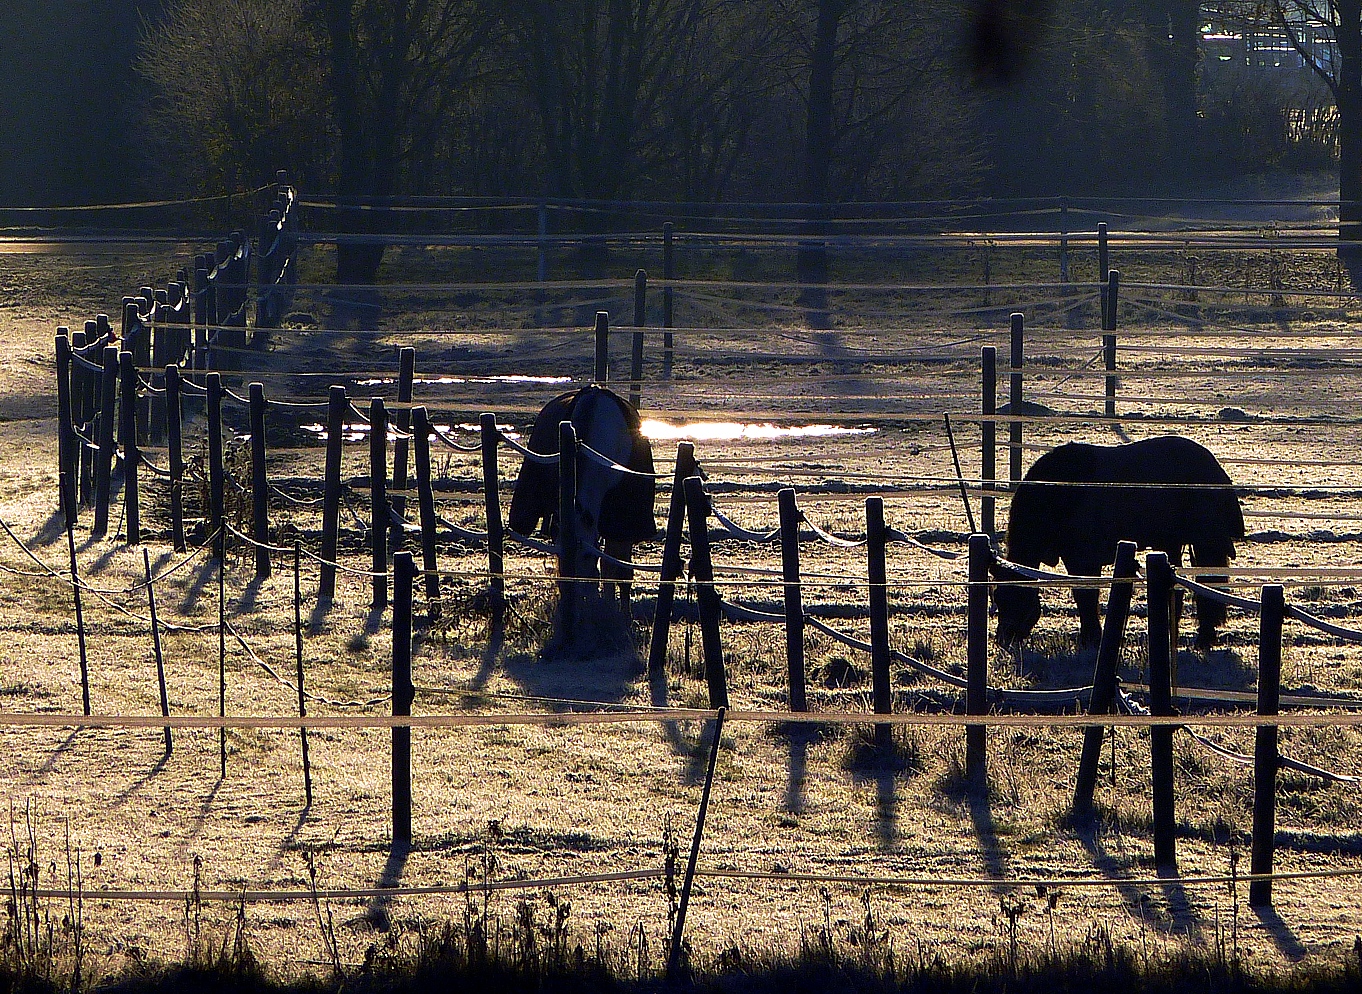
(535, 801)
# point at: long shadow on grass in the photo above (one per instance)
(985, 827)
(141, 781)
(195, 589)
(885, 764)
(377, 911)
(66, 744)
(1281, 934)
(496, 641)
(696, 753)
(1181, 918)
(204, 808)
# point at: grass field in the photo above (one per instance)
(1270, 391)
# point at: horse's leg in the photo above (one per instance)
(1175, 611)
(618, 575)
(1089, 617)
(1210, 613)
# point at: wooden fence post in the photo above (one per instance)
(161, 356)
(491, 493)
(1104, 679)
(378, 499)
(420, 426)
(679, 928)
(668, 274)
(976, 656)
(794, 598)
(404, 571)
(1014, 454)
(216, 525)
(879, 618)
(671, 559)
(406, 376)
(1103, 256)
(298, 657)
(702, 571)
(138, 342)
(156, 648)
(128, 408)
(222, 663)
(636, 355)
(988, 453)
(68, 459)
(1265, 758)
(104, 462)
(1113, 285)
(1159, 583)
(1109, 360)
(82, 412)
(569, 591)
(602, 346)
(260, 487)
(1063, 240)
(175, 443)
(202, 308)
(80, 617)
(331, 494)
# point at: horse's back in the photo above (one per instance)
(1198, 506)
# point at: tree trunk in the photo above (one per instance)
(355, 262)
(1348, 94)
(1179, 34)
(812, 260)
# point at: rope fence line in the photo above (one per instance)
(579, 718)
(472, 887)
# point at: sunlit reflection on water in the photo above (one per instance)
(720, 431)
(359, 431)
(446, 380)
(661, 431)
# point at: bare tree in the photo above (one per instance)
(393, 64)
(1341, 21)
(236, 93)
(617, 85)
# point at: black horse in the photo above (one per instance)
(1181, 497)
(611, 506)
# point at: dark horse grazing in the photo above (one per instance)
(1186, 500)
(612, 506)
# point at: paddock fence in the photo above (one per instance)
(184, 348)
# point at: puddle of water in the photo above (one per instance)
(703, 431)
(446, 380)
(721, 431)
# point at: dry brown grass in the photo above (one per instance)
(569, 800)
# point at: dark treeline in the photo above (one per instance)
(701, 100)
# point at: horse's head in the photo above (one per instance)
(1018, 606)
